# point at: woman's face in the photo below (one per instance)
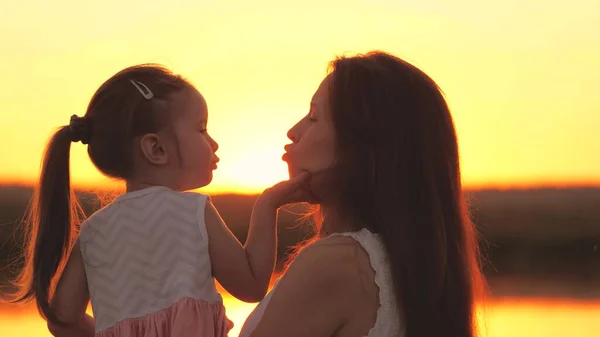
(313, 145)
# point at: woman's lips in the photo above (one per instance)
(286, 155)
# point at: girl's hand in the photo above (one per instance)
(290, 191)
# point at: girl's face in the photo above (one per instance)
(194, 147)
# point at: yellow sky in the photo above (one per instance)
(522, 77)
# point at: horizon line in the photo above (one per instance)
(467, 188)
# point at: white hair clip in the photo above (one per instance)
(145, 91)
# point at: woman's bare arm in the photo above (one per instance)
(316, 296)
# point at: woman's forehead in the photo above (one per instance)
(321, 96)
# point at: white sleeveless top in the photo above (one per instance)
(386, 322)
(146, 252)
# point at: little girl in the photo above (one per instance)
(146, 260)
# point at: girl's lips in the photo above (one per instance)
(215, 161)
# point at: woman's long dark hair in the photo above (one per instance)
(116, 115)
(397, 172)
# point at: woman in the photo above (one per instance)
(396, 254)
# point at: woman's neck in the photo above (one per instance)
(332, 221)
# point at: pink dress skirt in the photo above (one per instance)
(186, 318)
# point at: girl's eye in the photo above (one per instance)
(203, 130)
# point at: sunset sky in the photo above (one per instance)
(522, 77)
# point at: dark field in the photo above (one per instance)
(543, 242)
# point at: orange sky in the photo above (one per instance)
(522, 78)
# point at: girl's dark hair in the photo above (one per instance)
(117, 115)
(397, 172)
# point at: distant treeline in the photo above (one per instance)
(545, 234)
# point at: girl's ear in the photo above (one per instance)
(153, 149)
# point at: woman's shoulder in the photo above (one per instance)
(339, 245)
(338, 261)
(348, 247)
(339, 249)
(321, 291)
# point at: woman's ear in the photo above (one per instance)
(153, 149)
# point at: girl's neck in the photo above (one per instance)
(132, 186)
(145, 177)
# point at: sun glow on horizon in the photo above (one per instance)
(499, 318)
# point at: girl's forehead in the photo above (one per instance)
(191, 104)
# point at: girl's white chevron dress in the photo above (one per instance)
(148, 268)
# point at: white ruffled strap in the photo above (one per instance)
(387, 323)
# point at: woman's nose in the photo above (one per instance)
(292, 134)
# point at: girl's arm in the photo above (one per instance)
(71, 299)
(245, 271)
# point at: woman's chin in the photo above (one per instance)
(293, 171)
